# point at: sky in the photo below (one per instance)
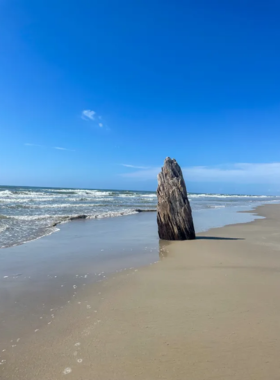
(96, 94)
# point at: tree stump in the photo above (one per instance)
(174, 214)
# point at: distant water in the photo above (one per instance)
(27, 213)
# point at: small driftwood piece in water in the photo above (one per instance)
(174, 214)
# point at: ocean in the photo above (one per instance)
(28, 213)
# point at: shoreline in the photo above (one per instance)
(31, 213)
(205, 310)
(74, 219)
(79, 218)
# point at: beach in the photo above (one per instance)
(203, 309)
(139, 190)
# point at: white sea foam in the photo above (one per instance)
(92, 193)
(190, 195)
(113, 214)
(28, 213)
(5, 193)
(3, 228)
(148, 195)
(27, 194)
(33, 217)
(126, 195)
(64, 205)
(23, 199)
(67, 370)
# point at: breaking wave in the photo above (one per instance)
(28, 213)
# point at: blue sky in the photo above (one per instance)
(97, 93)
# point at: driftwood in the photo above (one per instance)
(174, 214)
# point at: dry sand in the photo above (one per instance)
(208, 310)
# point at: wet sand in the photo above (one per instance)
(39, 278)
(208, 310)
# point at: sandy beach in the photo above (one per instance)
(208, 309)
(139, 190)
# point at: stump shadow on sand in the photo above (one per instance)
(163, 244)
(216, 238)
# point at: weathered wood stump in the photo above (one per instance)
(174, 214)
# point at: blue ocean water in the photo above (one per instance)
(27, 213)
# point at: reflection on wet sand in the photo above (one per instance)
(163, 248)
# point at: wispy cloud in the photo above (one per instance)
(59, 148)
(255, 173)
(29, 144)
(247, 173)
(135, 166)
(49, 147)
(88, 115)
